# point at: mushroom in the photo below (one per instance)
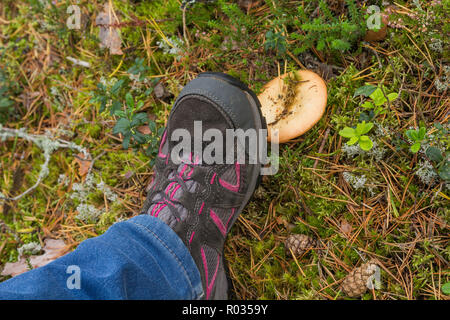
(379, 35)
(293, 103)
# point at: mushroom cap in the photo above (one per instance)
(306, 104)
(379, 35)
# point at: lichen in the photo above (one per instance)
(80, 193)
(357, 182)
(29, 248)
(426, 173)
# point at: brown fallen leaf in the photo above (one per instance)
(84, 165)
(346, 227)
(109, 35)
(144, 129)
(53, 249)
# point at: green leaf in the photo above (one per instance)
(139, 119)
(446, 288)
(115, 108)
(408, 133)
(444, 171)
(352, 141)
(347, 132)
(421, 133)
(434, 154)
(152, 126)
(116, 87)
(359, 128)
(414, 135)
(415, 147)
(130, 100)
(392, 96)
(122, 126)
(5, 103)
(367, 127)
(368, 105)
(363, 128)
(126, 141)
(365, 143)
(378, 97)
(140, 138)
(365, 91)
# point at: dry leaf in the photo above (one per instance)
(109, 35)
(346, 227)
(144, 130)
(160, 91)
(84, 165)
(53, 250)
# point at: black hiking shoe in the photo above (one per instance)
(201, 201)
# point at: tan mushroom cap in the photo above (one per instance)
(307, 105)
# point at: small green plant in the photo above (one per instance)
(446, 288)
(377, 96)
(128, 124)
(329, 30)
(275, 41)
(436, 153)
(417, 137)
(358, 135)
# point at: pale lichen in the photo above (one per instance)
(426, 173)
(47, 144)
(80, 193)
(29, 248)
(357, 182)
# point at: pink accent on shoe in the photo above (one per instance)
(169, 202)
(155, 207)
(169, 187)
(229, 186)
(163, 139)
(218, 222)
(212, 179)
(174, 191)
(201, 208)
(209, 286)
(159, 210)
(192, 237)
(182, 170)
(191, 172)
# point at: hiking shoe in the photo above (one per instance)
(201, 201)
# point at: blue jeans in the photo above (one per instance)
(141, 258)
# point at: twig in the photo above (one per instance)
(47, 145)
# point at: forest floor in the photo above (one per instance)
(388, 204)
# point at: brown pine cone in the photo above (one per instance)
(299, 244)
(355, 283)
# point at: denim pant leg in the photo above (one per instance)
(141, 258)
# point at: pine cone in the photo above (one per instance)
(355, 283)
(299, 244)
